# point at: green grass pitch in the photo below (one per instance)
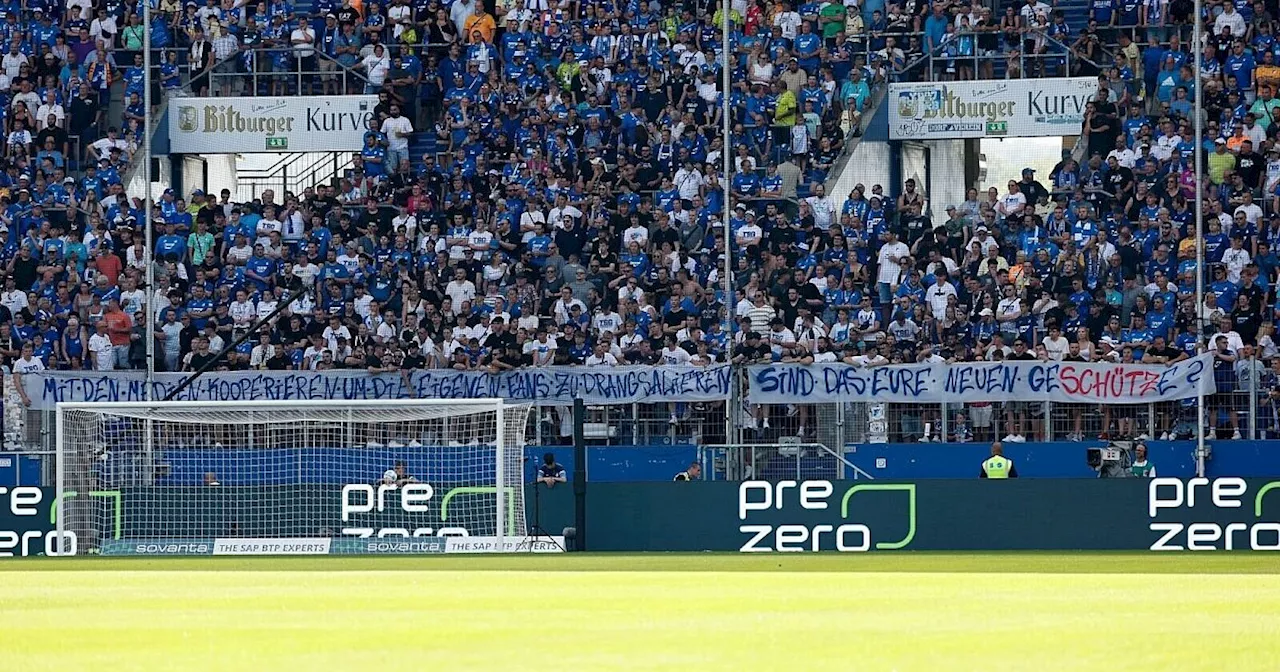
(907, 611)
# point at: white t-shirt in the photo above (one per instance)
(891, 271)
(303, 49)
(332, 335)
(396, 14)
(377, 68)
(131, 300)
(607, 322)
(241, 312)
(790, 24)
(675, 356)
(749, 235)
(43, 112)
(28, 365)
(397, 130)
(361, 304)
(15, 301)
(306, 272)
(103, 352)
(559, 216)
(460, 291)
(607, 360)
(937, 295)
(1012, 205)
(1057, 348)
(635, 234)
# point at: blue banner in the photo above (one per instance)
(544, 385)
(1065, 382)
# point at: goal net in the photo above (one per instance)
(240, 478)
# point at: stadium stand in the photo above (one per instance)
(542, 185)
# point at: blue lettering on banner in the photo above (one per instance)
(1066, 382)
(545, 385)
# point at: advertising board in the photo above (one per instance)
(983, 109)
(249, 125)
(937, 515)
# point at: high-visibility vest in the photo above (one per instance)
(997, 466)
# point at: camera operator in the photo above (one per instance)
(550, 471)
(1141, 468)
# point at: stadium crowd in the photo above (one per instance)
(570, 212)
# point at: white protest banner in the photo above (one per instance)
(541, 385)
(1014, 108)
(1067, 382)
(249, 125)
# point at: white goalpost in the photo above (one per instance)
(290, 477)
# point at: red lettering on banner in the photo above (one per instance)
(1148, 384)
(1069, 382)
(1117, 383)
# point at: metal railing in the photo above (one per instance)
(264, 75)
(1017, 63)
(784, 460)
(293, 173)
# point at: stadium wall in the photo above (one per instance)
(649, 463)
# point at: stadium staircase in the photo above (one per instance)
(423, 142)
(1076, 13)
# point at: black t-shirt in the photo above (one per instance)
(59, 137)
(198, 360)
(665, 235)
(279, 361)
(82, 113)
(751, 353)
(1166, 351)
(24, 272)
(1246, 324)
(637, 357)
(347, 15)
(674, 318)
(1256, 296)
(917, 225)
(1118, 180)
(498, 342)
(1250, 167)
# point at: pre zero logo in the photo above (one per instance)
(854, 531)
(1201, 498)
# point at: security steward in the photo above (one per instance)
(691, 474)
(998, 466)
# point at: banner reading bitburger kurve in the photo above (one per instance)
(249, 125)
(1006, 108)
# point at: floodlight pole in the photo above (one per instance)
(726, 159)
(149, 316)
(1198, 48)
